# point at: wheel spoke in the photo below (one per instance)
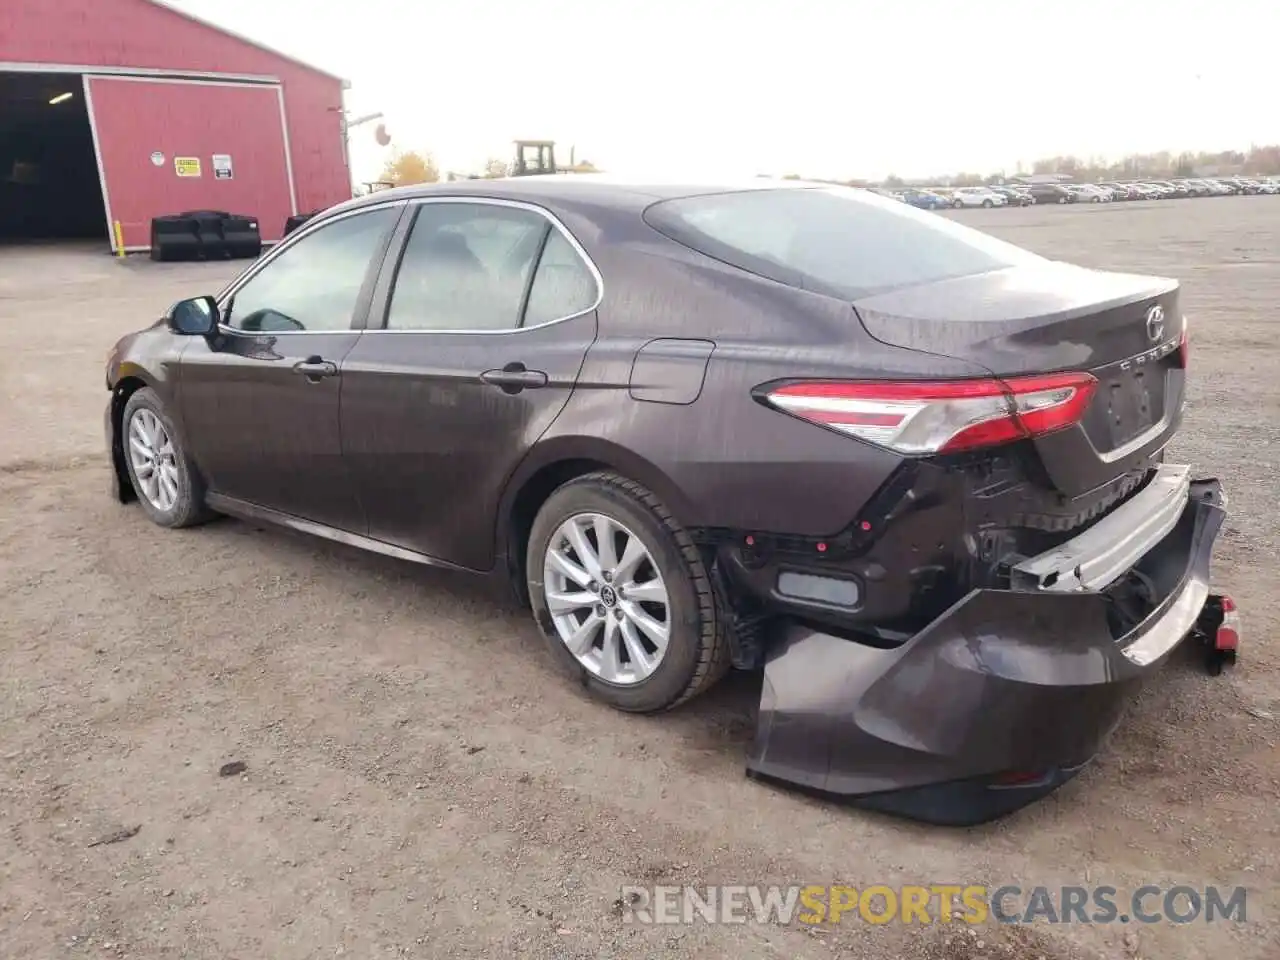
(169, 477)
(165, 492)
(582, 547)
(610, 661)
(137, 448)
(655, 631)
(642, 662)
(145, 470)
(579, 642)
(567, 568)
(605, 548)
(650, 591)
(632, 556)
(152, 427)
(562, 603)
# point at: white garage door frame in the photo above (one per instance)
(152, 75)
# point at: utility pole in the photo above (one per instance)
(347, 126)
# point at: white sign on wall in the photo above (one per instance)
(222, 166)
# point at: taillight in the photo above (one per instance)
(1184, 344)
(945, 416)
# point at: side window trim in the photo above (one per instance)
(385, 286)
(533, 275)
(360, 316)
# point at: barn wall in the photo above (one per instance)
(135, 118)
(135, 33)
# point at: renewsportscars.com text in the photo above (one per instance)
(932, 903)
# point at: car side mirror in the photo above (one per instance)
(196, 317)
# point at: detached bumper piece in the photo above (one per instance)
(1009, 693)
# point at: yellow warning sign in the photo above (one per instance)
(187, 166)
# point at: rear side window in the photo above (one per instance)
(836, 241)
(563, 285)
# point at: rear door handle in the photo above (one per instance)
(316, 369)
(515, 377)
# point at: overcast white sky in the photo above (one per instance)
(826, 88)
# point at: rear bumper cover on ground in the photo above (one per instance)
(994, 704)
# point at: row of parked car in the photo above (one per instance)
(1024, 195)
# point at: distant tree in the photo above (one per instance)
(894, 182)
(793, 176)
(495, 169)
(411, 167)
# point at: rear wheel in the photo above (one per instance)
(623, 597)
(170, 489)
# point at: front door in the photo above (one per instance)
(485, 325)
(260, 400)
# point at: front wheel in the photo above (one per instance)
(987, 203)
(170, 489)
(623, 597)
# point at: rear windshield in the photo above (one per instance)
(836, 241)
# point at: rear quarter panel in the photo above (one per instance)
(726, 460)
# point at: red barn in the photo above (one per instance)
(117, 111)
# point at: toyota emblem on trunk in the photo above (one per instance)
(1155, 323)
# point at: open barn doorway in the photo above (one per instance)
(50, 188)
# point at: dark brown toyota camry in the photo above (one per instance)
(914, 473)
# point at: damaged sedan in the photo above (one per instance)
(915, 474)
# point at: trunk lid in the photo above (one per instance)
(1123, 329)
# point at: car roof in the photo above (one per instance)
(593, 189)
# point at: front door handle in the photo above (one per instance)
(316, 369)
(515, 377)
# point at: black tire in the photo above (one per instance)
(958, 204)
(697, 652)
(189, 507)
(987, 203)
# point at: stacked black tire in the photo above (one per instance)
(297, 220)
(205, 235)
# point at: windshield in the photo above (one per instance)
(837, 241)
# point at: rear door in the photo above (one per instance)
(478, 331)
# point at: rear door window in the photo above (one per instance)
(837, 241)
(466, 267)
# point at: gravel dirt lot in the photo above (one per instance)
(420, 783)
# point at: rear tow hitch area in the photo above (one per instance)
(1218, 632)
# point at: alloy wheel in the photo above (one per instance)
(607, 598)
(154, 460)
